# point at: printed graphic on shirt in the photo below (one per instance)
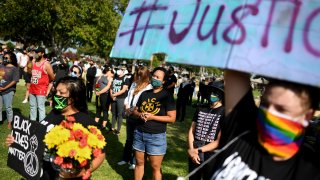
(203, 123)
(151, 106)
(116, 85)
(36, 75)
(234, 168)
(2, 77)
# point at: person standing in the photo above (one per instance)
(42, 74)
(9, 76)
(27, 74)
(91, 74)
(171, 81)
(140, 84)
(103, 99)
(155, 108)
(183, 98)
(204, 134)
(118, 93)
(268, 142)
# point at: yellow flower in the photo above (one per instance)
(56, 136)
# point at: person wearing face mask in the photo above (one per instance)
(183, 97)
(9, 76)
(75, 71)
(204, 134)
(154, 109)
(90, 76)
(68, 104)
(270, 140)
(118, 92)
(42, 75)
(171, 81)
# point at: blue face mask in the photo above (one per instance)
(214, 98)
(73, 74)
(156, 82)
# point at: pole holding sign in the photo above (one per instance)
(26, 153)
(279, 39)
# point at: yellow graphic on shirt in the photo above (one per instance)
(150, 106)
(2, 73)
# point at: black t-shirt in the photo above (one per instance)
(204, 117)
(172, 78)
(117, 85)
(155, 103)
(246, 159)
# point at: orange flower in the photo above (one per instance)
(72, 153)
(93, 130)
(97, 152)
(83, 142)
(58, 160)
(71, 119)
(78, 133)
(66, 165)
(100, 137)
(83, 163)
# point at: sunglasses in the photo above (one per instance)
(6, 57)
(75, 72)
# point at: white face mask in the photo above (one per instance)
(119, 72)
(184, 79)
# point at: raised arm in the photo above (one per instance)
(237, 84)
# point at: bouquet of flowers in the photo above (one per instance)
(73, 146)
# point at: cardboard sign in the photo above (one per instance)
(26, 153)
(274, 38)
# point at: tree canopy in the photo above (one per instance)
(88, 25)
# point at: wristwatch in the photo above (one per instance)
(200, 150)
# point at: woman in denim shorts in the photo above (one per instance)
(155, 108)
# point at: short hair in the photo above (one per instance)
(77, 92)
(299, 89)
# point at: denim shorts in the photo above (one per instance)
(151, 144)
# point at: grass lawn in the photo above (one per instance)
(174, 164)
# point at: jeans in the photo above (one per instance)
(37, 102)
(117, 108)
(151, 144)
(6, 99)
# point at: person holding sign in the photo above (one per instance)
(68, 103)
(204, 134)
(155, 108)
(270, 139)
(9, 76)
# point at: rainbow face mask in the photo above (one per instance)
(279, 134)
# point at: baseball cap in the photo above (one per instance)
(40, 49)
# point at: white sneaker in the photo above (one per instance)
(121, 163)
(25, 101)
(132, 166)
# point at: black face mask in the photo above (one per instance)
(38, 58)
(61, 102)
(6, 61)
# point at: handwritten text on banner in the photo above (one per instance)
(277, 38)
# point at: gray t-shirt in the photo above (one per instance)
(7, 75)
(103, 81)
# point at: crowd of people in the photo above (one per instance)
(258, 143)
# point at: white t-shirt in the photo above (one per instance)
(23, 60)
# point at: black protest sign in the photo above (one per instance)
(26, 153)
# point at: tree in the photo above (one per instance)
(89, 25)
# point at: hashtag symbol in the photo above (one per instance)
(139, 11)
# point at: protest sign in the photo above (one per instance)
(268, 37)
(25, 154)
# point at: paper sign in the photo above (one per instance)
(276, 38)
(26, 153)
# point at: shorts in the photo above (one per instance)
(151, 144)
(26, 77)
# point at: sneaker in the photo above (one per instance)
(132, 166)
(121, 163)
(25, 101)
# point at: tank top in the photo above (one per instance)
(39, 80)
